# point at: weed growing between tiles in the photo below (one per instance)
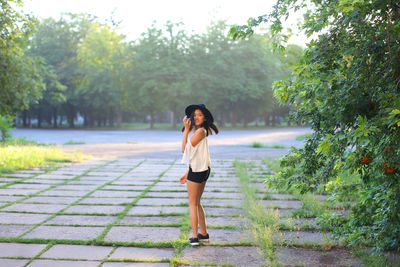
(264, 222)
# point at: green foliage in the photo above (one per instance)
(20, 75)
(5, 129)
(346, 86)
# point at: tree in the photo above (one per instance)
(347, 87)
(20, 75)
(101, 57)
(148, 91)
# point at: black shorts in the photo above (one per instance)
(198, 177)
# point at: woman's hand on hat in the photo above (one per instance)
(186, 123)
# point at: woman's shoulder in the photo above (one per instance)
(201, 131)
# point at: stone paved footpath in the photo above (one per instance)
(119, 212)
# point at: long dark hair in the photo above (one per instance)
(209, 126)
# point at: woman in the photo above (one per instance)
(200, 122)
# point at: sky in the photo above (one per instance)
(135, 16)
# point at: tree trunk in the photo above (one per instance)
(233, 117)
(222, 120)
(29, 120)
(152, 120)
(111, 117)
(174, 115)
(273, 121)
(85, 119)
(119, 117)
(39, 118)
(245, 119)
(24, 118)
(266, 120)
(71, 115)
(55, 117)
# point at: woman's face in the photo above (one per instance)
(198, 118)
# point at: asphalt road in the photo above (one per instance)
(228, 144)
(285, 136)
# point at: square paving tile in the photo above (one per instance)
(125, 187)
(22, 218)
(76, 187)
(142, 253)
(45, 181)
(65, 232)
(222, 202)
(13, 263)
(167, 194)
(98, 209)
(13, 230)
(29, 186)
(283, 204)
(109, 193)
(51, 200)
(135, 264)
(293, 256)
(18, 192)
(106, 200)
(63, 263)
(301, 237)
(222, 221)
(82, 220)
(142, 234)
(221, 256)
(79, 252)
(229, 236)
(63, 193)
(169, 188)
(162, 201)
(150, 220)
(43, 208)
(9, 198)
(149, 210)
(20, 250)
(223, 211)
(124, 182)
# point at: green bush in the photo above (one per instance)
(5, 129)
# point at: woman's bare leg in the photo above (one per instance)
(200, 211)
(193, 195)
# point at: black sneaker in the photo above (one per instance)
(204, 238)
(194, 241)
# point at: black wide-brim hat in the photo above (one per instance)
(207, 114)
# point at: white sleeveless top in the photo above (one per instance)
(198, 157)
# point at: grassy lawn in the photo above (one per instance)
(20, 154)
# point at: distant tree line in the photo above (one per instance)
(86, 67)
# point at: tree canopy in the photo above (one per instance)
(91, 69)
(346, 86)
(19, 74)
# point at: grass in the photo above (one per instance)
(311, 206)
(73, 142)
(261, 145)
(372, 259)
(21, 157)
(263, 222)
(22, 141)
(272, 164)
